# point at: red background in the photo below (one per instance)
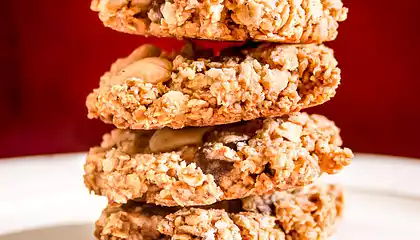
(53, 53)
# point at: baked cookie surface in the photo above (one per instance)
(200, 166)
(303, 214)
(150, 89)
(285, 21)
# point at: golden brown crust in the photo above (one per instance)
(303, 214)
(243, 83)
(303, 21)
(199, 166)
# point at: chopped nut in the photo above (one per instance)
(281, 161)
(192, 176)
(169, 13)
(277, 80)
(233, 138)
(150, 70)
(134, 182)
(250, 13)
(144, 51)
(167, 139)
(174, 103)
(290, 131)
(109, 164)
(315, 9)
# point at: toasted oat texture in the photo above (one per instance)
(308, 213)
(303, 21)
(199, 166)
(150, 89)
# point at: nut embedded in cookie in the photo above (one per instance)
(285, 21)
(308, 213)
(150, 89)
(200, 166)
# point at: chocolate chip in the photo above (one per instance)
(215, 167)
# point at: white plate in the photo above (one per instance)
(44, 197)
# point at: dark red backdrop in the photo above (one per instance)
(53, 53)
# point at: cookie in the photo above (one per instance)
(308, 213)
(285, 21)
(200, 166)
(150, 89)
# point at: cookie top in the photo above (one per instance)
(200, 166)
(150, 89)
(285, 21)
(308, 213)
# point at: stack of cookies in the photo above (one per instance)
(212, 145)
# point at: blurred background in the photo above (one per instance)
(53, 53)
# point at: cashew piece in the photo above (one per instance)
(167, 139)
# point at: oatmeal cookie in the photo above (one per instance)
(150, 89)
(200, 166)
(308, 213)
(303, 21)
